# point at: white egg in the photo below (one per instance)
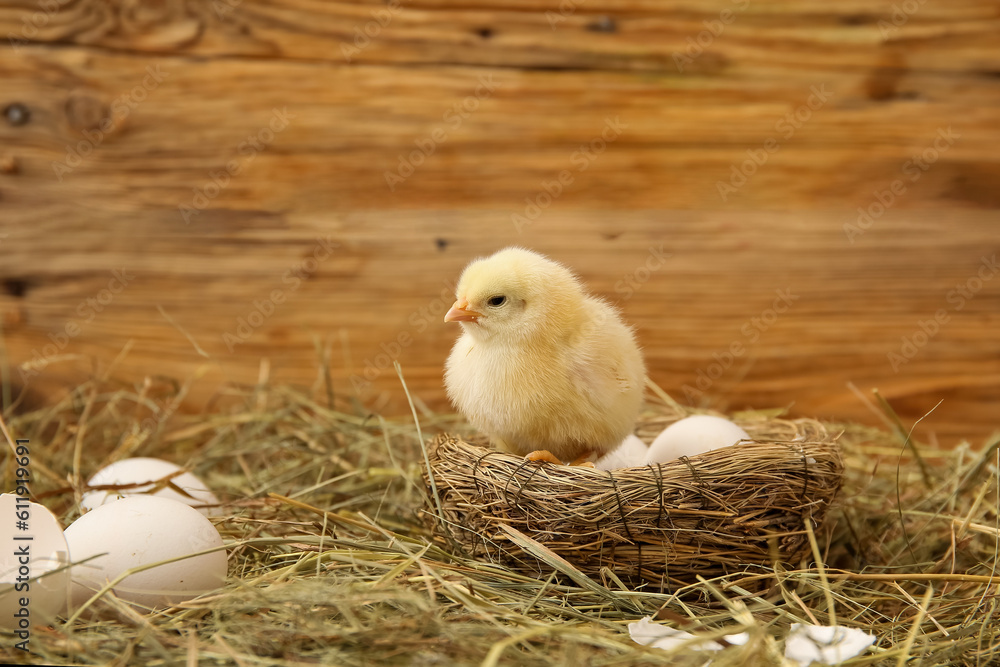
(36, 552)
(141, 530)
(692, 436)
(630, 454)
(142, 470)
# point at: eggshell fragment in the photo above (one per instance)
(45, 597)
(142, 470)
(141, 530)
(646, 632)
(630, 454)
(692, 436)
(827, 645)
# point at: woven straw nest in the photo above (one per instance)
(728, 511)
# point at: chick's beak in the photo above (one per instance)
(460, 313)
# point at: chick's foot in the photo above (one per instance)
(543, 455)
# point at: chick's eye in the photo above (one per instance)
(496, 300)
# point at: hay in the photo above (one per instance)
(337, 568)
(728, 511)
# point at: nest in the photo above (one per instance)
(727, 511)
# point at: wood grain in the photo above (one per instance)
(135, 109)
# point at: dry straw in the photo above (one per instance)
(329, 562)
(732, 510)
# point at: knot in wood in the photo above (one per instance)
(85, 112)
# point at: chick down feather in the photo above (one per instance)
(540, 364)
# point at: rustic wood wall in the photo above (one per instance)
(203, 184)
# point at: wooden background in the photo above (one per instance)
(117, 114)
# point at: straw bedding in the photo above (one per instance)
(331, 561)
(723, 512)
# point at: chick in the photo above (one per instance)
(543, 368)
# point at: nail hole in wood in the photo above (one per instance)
(17, 114)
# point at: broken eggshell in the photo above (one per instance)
(646, 632)
(38, 583)
(825, 644)
(630, 454)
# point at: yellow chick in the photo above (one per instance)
(543, 368)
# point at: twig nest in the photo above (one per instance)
(726, 511)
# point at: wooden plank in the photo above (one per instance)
(144, 106)
(348, 128)
(387, 283)
(642, 35)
